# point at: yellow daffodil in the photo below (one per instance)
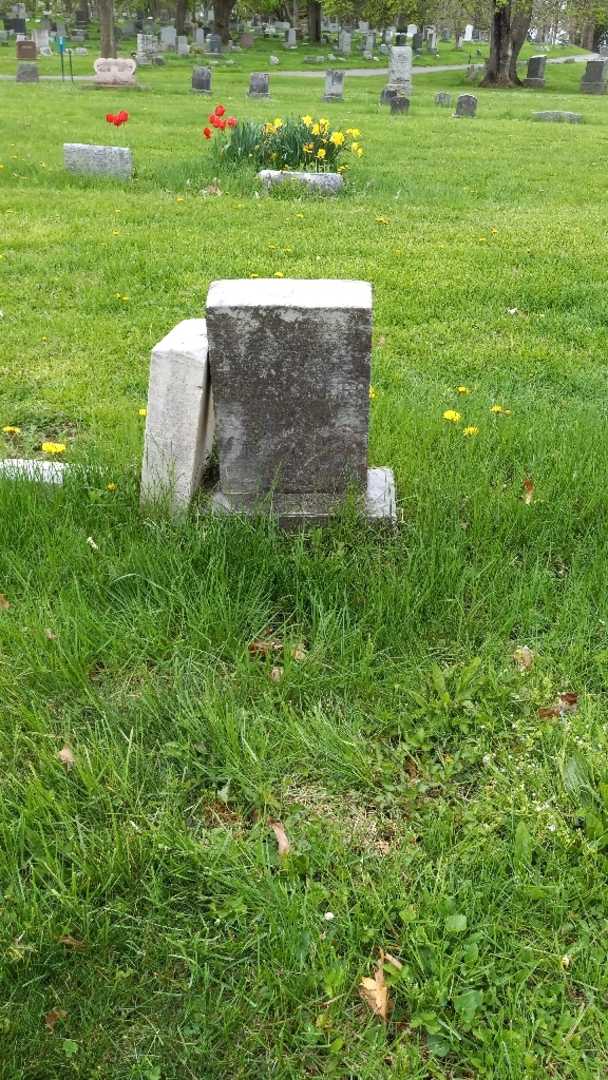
(337, 138)
(353, 133)
(10, 430)
(452, 416)
(470, 431)
(53, 447)
(359, 151)
(278, 123)
(308, 148)
(315, 129)
(321, 154)
(463, 390)
(269, 129)
(307, 120)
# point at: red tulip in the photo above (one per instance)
(232, 121)
(219, 110)
(109, 118)
(207, 132)
(117, 121)
(124, 116)
(222, 125)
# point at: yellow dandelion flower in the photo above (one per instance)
(53, 447)
(115, 232)
(497, 409)
(482, 239)
(321, 154)
(300, 217)
(470, 430)
(337, 138)
(494, 232)
(179, 198)
(2, 166)
(44, 339)
(382, 221)
(463, 389)
(452, 416)
(10, 430)
(372, 394)
(279, 273)
(254, 275)
(111, 487)
(142, 412)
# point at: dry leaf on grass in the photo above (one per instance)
(213, 189)
(48, 633)
(4, 603)
(281, 835)
(264, 646)
(277, 673)
(71, 942)
(524, 658)
(565, 703)
(528, 494)
(66, 757)
(392, 961)
(375, 993)
(299, 652)
(53, 1016)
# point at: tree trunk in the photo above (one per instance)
(180, 16)
(505, 45)
(222, 10)
(519, 33)
(106, 27)
(314, 20)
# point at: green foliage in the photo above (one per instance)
(287, 144)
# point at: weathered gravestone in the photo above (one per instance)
(115, 71)
(345, 43)
(247, 41)
(89, 159)
(368, 43)
(26, 50)
(27, 73)
(417, 43)
(334, 86)
(559, 117)
(291, 38)
(201, 80)
(259, 84)
(200, 37)
(179, 424)
(168, 37)
(466, 105)
(594, 78)
(290, 374)
(535, 77)
(40, 39)
(398, 102)
(214, 44)
(443, 98)
(183, 48)
(399, 73)
(325, 183)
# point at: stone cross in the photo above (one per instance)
(334, 86)
(535, 76)
(115, 71)
(399, 72)
(92, 160)
(290, 373)
(259, 84)
(201, 80)
(594, 77)
(466, 105)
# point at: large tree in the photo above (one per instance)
(106, 27)
(508, 31)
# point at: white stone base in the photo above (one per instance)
(180, 422)
(46, 472)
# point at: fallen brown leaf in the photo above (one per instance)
(4, 603)
(528, 494)
(375, 994)
(524, 658)
(565, 703)
(277, 673)
(53, 1016)
(264, 646)
(282, 841)
(48, 633)
(299, 652)
(392, 961)
(213, 189)
(71, 942)
(66, 757)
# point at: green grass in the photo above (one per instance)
(429, 806)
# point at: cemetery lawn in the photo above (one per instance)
(150, 928)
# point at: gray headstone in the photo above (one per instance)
(290, 370)
(399, 73)
(183, 48)
(168, 37)
(535, 77)
(89, 159)
(398, 102)
(247, 41)
(345, 43)
(214, 43)
(27, 73)
(334, 86)
(443, 98)
(326, 183)
(291, 38)
(314, 59)
(466, 105)
(199, 37)
(417, 42)
(594, 78)
(259, 84)
(201, 80)
(559, 117)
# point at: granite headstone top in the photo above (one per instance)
(466, 105)
(594, 77)
(535, 77)
(259, 84)
(92, 160)
(334, 86)
(443, 98)
(201, 80)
